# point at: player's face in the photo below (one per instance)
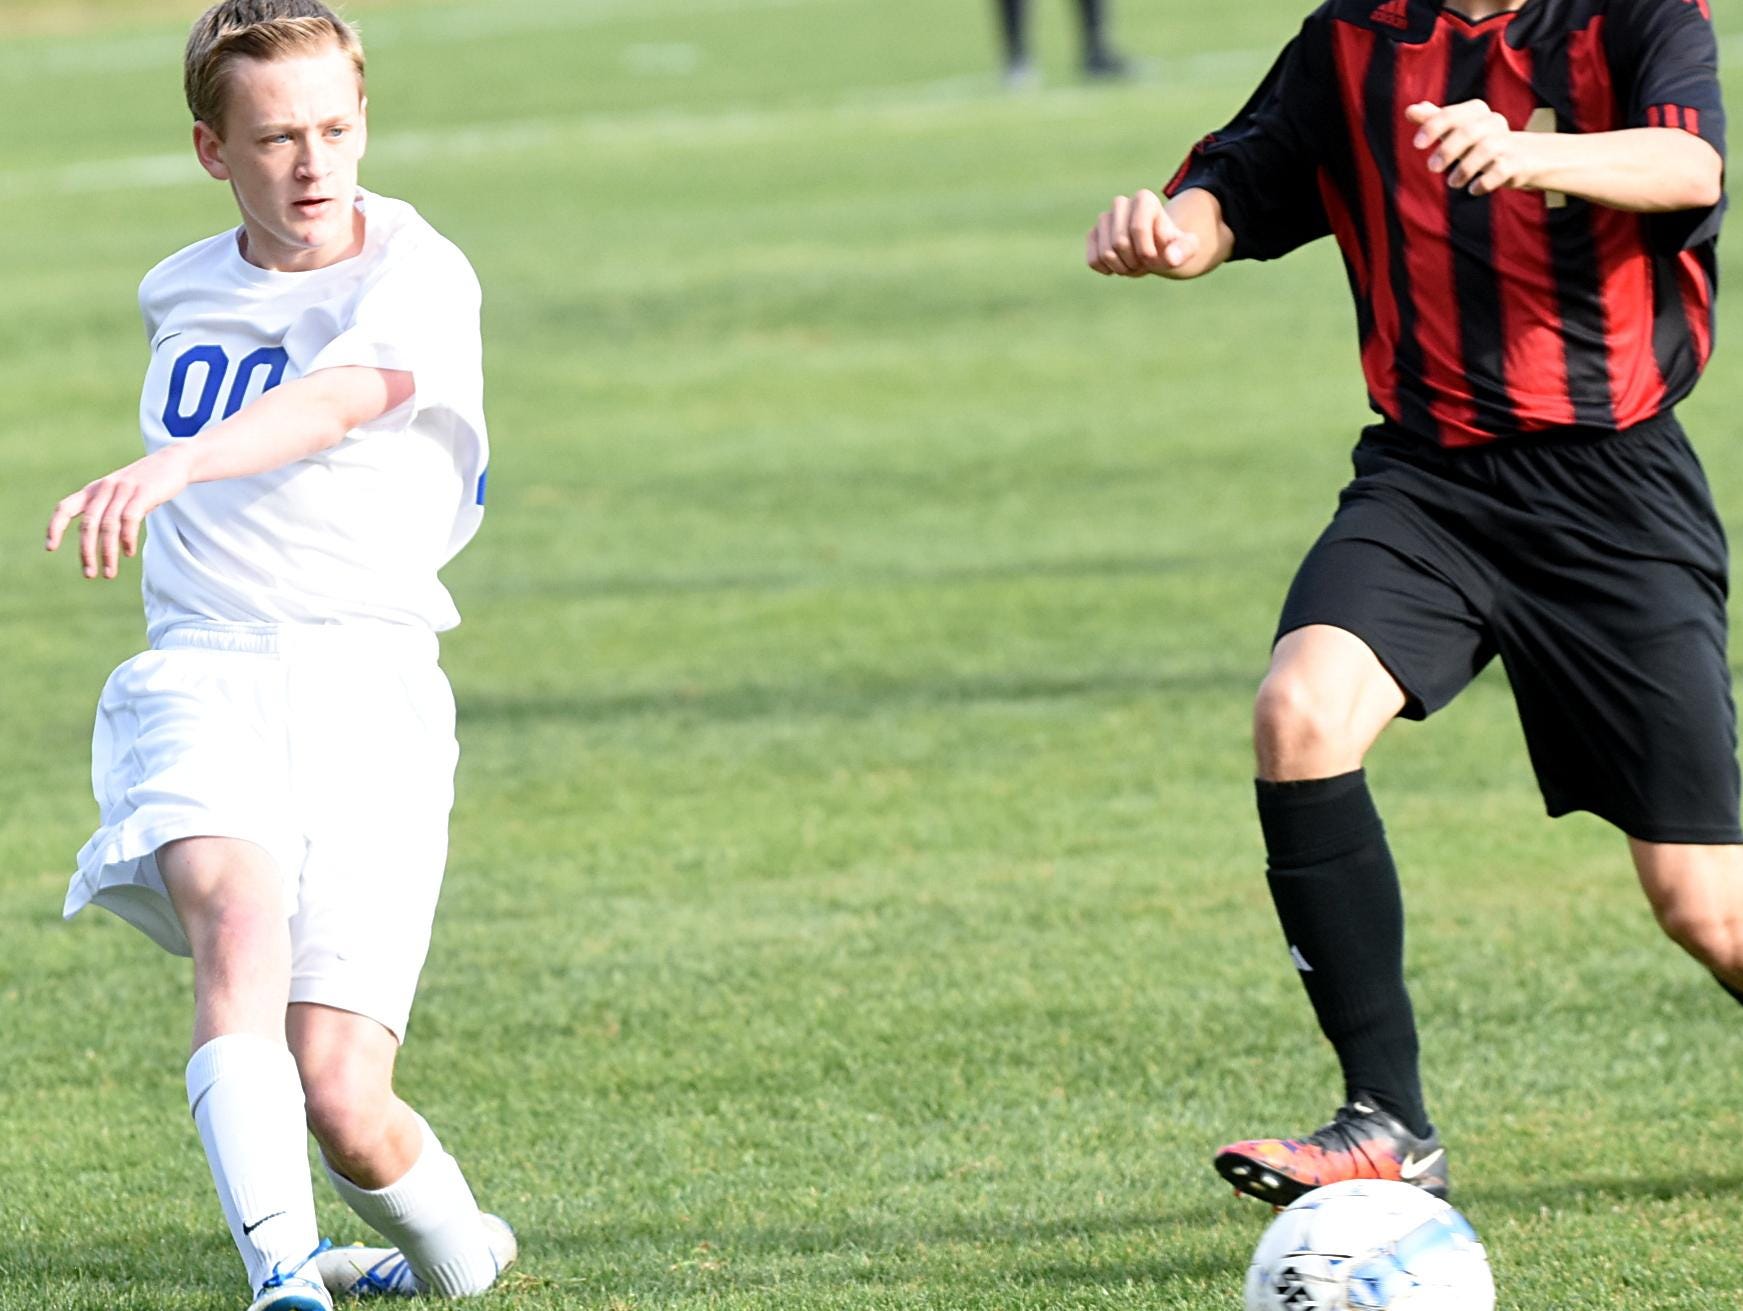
(293, 135)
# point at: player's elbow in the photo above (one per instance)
(1703, 189)
(1702, 179)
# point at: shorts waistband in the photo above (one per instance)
(356, 641)
(1390, 433)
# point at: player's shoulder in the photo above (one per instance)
(170, 279)
(1645, 12)
(1400, 20)
(406, 242)
(1632, 27)
(1345, 9)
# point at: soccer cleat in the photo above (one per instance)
(295, 1290)
(1363, 1142)
(360, 1271)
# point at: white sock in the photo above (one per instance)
(430, 1215)
(248, 1105)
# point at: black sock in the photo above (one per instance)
(1011, 28)
(1336, 892)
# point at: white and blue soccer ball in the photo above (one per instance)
(1370, 1245)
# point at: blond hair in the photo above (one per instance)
(256, 29)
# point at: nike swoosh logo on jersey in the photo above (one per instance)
(1410, 1168)
(248, 1229)
(168, 336)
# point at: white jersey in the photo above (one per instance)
(352, 534)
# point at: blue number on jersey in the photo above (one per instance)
(177, 424)
(272, 359)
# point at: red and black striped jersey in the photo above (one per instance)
(1517, 312)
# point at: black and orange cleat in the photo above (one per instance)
(1363, 1142)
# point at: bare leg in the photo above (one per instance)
(1697, 894)
(346, 1061)
(242, 1084)
(381, 1156)
(1324, 702)
(228, 896)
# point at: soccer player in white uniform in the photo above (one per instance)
(275, 772)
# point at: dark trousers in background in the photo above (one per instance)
(1014, 28)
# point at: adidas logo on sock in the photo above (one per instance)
(1393, 13)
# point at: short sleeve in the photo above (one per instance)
(1263, 167)
(419, 315)
(1667, 57)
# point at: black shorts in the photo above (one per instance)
(1596, 570)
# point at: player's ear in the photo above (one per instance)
(362, 126)
(209, 146)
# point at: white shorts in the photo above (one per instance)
(330, 747)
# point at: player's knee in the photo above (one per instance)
(1297, 725)
(349, 1108)
(1714, 939)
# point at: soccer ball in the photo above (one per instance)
(1370, 1245)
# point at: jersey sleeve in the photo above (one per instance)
(1263, 167)
(1668, 57)
(420, 316)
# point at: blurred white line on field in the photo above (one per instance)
(671, 59)
(699, 128)
(139, 172)
(474, 22)
(687, 127)
(118, 54)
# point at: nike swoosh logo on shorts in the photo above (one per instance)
(1409, 1168)
(168, 336)
(248, 1229)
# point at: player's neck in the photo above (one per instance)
(261, 249)
(1480, 9)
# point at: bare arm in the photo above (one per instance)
(1141, 235)
(1647, 170)
(285, 425)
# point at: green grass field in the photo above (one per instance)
(855, 899)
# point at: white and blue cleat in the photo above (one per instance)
(361, 1271)
(301, 1289)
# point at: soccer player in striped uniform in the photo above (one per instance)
(275, 773)
(1527, 197)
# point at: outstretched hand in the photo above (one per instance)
(114, 507)
(1136, 236)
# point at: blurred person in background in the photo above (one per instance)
(1099, 59)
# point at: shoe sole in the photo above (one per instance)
(1256, 1179)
